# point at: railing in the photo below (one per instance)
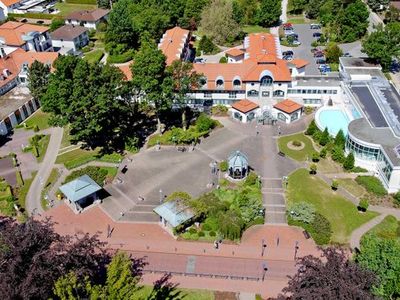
(204, 275)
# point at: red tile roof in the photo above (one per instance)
(11, 32)
(245, 106)
(288, 106)
(126, 70)
(14, 61)
(173, 42)
(9, 2)
(299, 63)
(234, 52)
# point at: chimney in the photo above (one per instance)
(2, 52)
(5, 73)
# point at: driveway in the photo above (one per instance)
(304, 50)
(353, 48)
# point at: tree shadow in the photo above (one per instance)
(164, 289)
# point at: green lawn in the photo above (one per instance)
(300, 155)
(186, 294)
(5, 190)
(94, 56)
(78, 157)
(342, 214)
(39, 118)
(23, 191)
(387, 229)
(65, 142)
(43, 143)
(49, 183)
(352, 187)
(254, 29)
(67, 8)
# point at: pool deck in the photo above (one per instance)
(340, 108)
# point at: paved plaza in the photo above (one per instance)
(152, 174)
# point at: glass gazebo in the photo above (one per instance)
(238, 165)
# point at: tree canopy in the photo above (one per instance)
(331, 276)
(383, 45)
(38, 77)
(269, 12)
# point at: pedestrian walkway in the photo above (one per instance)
(357, 234)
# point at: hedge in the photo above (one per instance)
(94, 2)
(120, 58)
(32, 16)
(320, 229)
(98, 174)
(372, 184)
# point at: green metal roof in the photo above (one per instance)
(174, 212)
(237, 160)
(80, 188)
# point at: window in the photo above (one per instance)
(335, 92)
(236, 83)
(237, 116)
(279, 93)
(251, 116)
(232, 95)
(282, 117)
(314, 91)
(219, 82)
(294, 117)
(252, 93)
(207, 95)
(265, 94)
(290, 91)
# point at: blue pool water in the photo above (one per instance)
(334, 120)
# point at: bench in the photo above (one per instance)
(280, 153)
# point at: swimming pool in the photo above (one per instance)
(334, 120)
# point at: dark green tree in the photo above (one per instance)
(269, 12)
(238, 12)
(149, 20)
(298, 6)
(352, 22)
(150, 79)
(313, 7)
(340, 139)
(184, 79)
(192, 13)
(38, 77)
(312, 128)
(348, 164)
(105, 3)
(382, 45)
(206, 45)
(381, 256)
(325, 138)
(333, 52)
(120, 28)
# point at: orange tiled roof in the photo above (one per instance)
(9, 2)
(299, 63)
(288, 106)
(14, 61)
(245, 106)
(11, 32)
(261, 44)
(234, 52)
(126, 70)
(172, 43)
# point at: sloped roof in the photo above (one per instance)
(79, 188)
(299, 63)
(12, 32)
(288, 106)
(172, 43)
(126, 70)
(88, 15)
(68, 32)
(237, 160)
(174, 212)
(234, 52)
(9, 2)
(245, 106)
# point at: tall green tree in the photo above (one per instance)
(185, 79)
(120, 28)
(324, 137)
(383, 45)
(352, 21)
(192, 13)
(269, 12)
(348, 164)
(38, 77)
(381, 256)
(333, 52)
(218, 23)
(150, 79)
(340, 139)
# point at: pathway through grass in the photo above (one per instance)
(342, 214)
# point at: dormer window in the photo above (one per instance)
(236, 83)
(219, 82)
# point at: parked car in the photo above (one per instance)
(320, 61)
(319, 54)
(315, 26)
(288, 52)
(199, 60)
(288, 57)
(317, 34)
(288, 25)
(296, 42)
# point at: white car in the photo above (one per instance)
(295, 42)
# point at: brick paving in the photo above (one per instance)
(226, 265)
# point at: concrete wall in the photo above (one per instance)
(13, 118)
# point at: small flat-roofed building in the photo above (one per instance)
(70, 38)
(174, 213)
(235, 55)
(87, 18)
(288, 111)
(81, 192)
(245, 110)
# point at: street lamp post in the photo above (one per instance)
(263, 246)
(161, 196)
(265, 269)
(296, 248)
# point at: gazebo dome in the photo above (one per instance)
(238, 165)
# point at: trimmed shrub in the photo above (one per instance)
(363, 204)
(313, 169)
(340, 139)
(120, 58)
(201, 234)
(312, 128)
(322, 230)
(296, 143)
(315, 157)
(223, 166)
(337, 154)
(206, 227)
(323, 152)
(36, 128)
(372, 184)
(325, 138)
(98, 174)
(302, 211)
(204, 123)
(223, 60)
(192, 230)
(334, 185)
(348, 163)
(219, 110)
(212, 233)
(251, 179)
